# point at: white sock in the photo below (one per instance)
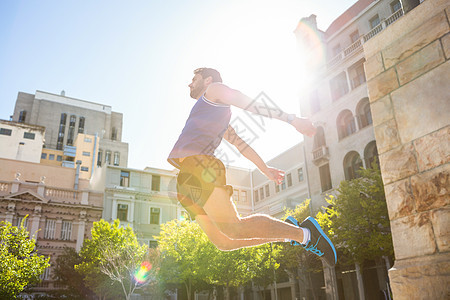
(306, 235)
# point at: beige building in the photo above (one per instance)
(21, 141)
(65, 117)
(59, 215)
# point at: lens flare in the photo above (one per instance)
(142, 274)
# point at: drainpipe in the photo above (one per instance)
(93, 155)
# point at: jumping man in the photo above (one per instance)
(201, 183)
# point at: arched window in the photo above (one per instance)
(319, 138)
(371, 154)
(345, 124)
(352, 164)
(364, 114)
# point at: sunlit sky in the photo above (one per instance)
(138, 57)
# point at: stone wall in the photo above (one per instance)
(408, 75)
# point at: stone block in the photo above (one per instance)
(387, 136)
(441, 226)
(398, 164)
(420, 62)
(446, 45)
(382, 84)
(432, 29)
(399, 199)
(432, 189)
(381, 110)
(421, 278)
(422, 105)
(373, 66)
(434, 149)
(413, 236)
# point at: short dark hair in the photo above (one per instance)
(206, 72)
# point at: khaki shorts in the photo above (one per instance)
(199, 176)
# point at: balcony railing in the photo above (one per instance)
(320, 153)
(357, 45)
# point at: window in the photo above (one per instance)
(325, 177)
(19, 221)
(153, 244)
(371, 155)
(29, 135)
(85, 169)
(22, 116)
(114, 134)
(85, 153)
(108, 157)
(50, 226)
(352, 164)
(395, 6)
(339, 86)
(99, 158)
(5, 131)
(58, 158)
(244, 196)
(236, 195)
(267, 190)
(66, 230)
(46, 274)
(62, 130)
(314, 102)
(283, 184)
(289, 179)
(70, 135)
(156, 183)
(124, 178)
(374, 22)
(319, 138)
(300, 174)
(277, 188)
(116, 158)
(154, 215)
(256, 195)
(357, 74)
(81, 125)
(345, 124)
(354, 36)
(122, 212)
(364, 114)
(44, 156)
(51, 157)
(261, 193)
(87, 140)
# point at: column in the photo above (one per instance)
(80, 231)
(329, 275)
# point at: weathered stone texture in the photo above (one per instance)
(441, 227)
(373, 66)
(429, 31)
(434, 149)
(398, 164)
(446, 45)
(381, 110)
(422, 105)
(387, 136)
(420, 62)
(382, 84)
(413, 236)
(401, 201)
(432, 189)
(422, 278)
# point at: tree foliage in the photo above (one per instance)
(357, 219)
(112, 255)
(20, 265)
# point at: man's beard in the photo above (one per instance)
(195, 93)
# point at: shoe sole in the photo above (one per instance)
(312, 220)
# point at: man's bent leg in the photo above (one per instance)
(222, 241)
(222, 212)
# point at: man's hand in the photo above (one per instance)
(304, 126)
(274, 174)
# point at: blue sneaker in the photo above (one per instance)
(319, 243)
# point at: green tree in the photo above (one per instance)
(20, 265)
(113, 251)
(185, 251)
(357, 220)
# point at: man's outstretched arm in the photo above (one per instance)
(220, 93)
(248, 152)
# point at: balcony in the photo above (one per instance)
(356, 47)
(320, 155)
